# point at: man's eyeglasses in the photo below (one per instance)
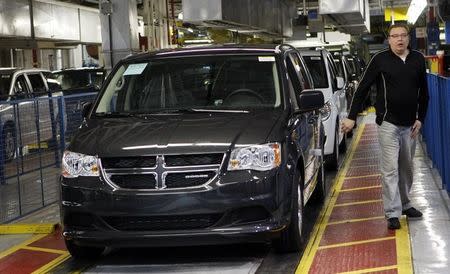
(396, 36)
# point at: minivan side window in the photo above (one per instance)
(37, 83)
(20, 88)
(332, 69)
(293, 69)
(300, 70)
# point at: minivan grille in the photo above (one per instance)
(158, 223)
(134, 181)
(188, 179)
(129, 162)
(193, 160)
(162, 172)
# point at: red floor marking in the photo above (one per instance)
(362, 171)
(25, 261)
(359, 195)
(355, 231)
(342, 259)
(365, 154)
(52, 241)
(361, 182)
(361, 211)
(365, 162)
(368, 141)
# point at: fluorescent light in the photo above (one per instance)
(415, 9)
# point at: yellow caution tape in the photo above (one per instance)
(27, 228)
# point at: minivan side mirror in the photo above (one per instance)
(86, 108)
(340, 82)
(310, 99)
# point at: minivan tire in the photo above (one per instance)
(332, 161)
(292, 237)
(319, 193)
(83, 252)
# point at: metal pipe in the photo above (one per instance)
(168, 27)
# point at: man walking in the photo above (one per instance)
(401, 106)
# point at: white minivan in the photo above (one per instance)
(324, 73)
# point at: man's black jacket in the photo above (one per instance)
(403, 97)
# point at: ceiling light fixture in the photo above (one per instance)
(415, 9)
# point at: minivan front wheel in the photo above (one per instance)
(292, 237)
(332, 161)
(83, 252)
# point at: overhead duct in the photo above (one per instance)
(349, 16)
(273, 17)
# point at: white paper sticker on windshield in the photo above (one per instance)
(135, 69)
(315, 58)
(266, 58)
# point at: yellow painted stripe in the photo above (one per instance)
(370, 270)
(359, 188)
(21, 245)
(27, 228)
(52, 264)
(48, 250)
(356, 242)
(404, 256)
(355, 220)
(321, 223)
(363, 176)
(358, 203)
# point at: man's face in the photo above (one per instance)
(398, 40)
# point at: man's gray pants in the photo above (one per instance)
(397, 153)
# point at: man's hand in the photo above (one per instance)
(347, 125)
(416, 128)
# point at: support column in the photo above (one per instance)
(118, 20)
(156, 24)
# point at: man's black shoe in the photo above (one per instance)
(412, 213)
(393, 223)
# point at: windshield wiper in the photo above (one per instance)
(193, 110)
(114, 114)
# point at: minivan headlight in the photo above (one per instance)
(325, 111)
(256, 157)
(77, 164)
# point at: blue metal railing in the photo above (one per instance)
(33, 134)
(436, 131)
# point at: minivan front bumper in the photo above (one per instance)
(254, 208)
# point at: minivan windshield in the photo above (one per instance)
(72, 79)
(218, 82)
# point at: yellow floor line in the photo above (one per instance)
(21, 245)
(404, 256)
(27, 228)
(356, 220)
(356, 243)
(48, 250)
(52, 264)
(359, 188)
(321, 223)
(358, 203)
(363, 176)
(371, 270)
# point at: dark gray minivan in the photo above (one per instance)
(196, 146)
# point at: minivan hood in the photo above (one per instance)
(172, 134)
